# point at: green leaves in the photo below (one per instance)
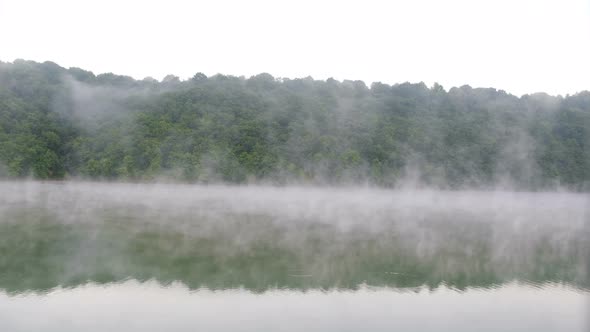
(57, 122)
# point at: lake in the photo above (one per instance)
(150, 257)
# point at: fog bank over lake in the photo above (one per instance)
(334, 205)
(114, 256)
(288, 237)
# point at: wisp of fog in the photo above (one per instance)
(262, 237)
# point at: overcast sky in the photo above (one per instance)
(520, 46)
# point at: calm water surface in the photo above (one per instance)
(126, 257)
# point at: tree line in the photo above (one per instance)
(60, 123)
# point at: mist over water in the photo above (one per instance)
(313, 252)
(288, 237)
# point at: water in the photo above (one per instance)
(130, 306)
(128, 257)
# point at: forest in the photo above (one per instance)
(58, 123)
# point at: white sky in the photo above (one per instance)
(521, 46)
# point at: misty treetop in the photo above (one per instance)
(66, 123)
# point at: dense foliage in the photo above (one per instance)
(57, 122)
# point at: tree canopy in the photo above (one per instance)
(65, 123)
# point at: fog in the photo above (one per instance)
(342, 206)
(63, 123)
(263, 237)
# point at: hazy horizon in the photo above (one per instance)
(281, 78)
(540, 46)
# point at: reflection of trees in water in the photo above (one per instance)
(39, 252)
